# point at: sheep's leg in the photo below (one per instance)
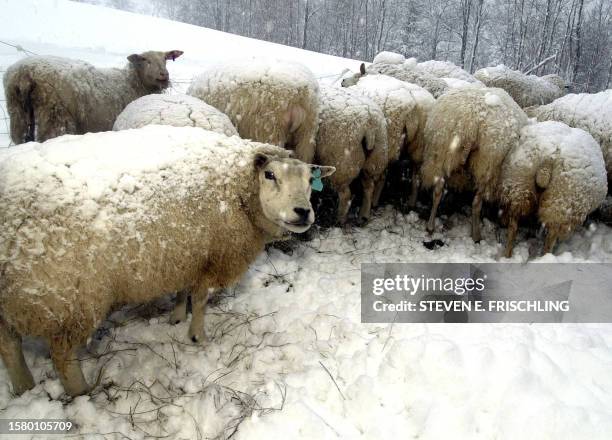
(199, 300)
(380, 185)
(476, 208)
(344, 203)
(68, 369)
(550, 241)
(366, 203)
(512, 228)
(414, 189)
(437, 196)
(49, 126)
(12, 355)
(179, 313)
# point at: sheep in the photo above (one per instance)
(47, 96)
(555, 171)
(446, 69)
(590, 112)
(468, 134)
(267, 100)
(406, 107)
(526, 90)
(404, 72)
(175, 110)
(352, 137)
(93, 221)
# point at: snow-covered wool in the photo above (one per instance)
(352, 137)
(386, 57)
(89, 222)
(406, 107)
(526, 90)
(404, 72)
(556, 172)
(454, 83)
(49, 96)
(446, 69)
(267, 100)
(590, 112)
(176, 110)
(468, 134)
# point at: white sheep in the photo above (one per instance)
(352, 137)
(590, 112)
(404, 72)
(48, 96)
(93, 221)
(175, 110)
(267, 100)
(446, 69)
(555, 172)
(526, 90)
(406, 107)
(468, 134)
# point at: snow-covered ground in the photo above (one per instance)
(288, 356)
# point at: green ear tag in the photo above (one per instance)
(317, 184)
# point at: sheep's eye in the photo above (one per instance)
(270, 175)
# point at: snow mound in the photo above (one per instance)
(176, 110)
(386, 57)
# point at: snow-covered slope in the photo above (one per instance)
(288, 356)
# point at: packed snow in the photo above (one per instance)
(288, 356)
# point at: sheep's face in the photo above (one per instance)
(284, 190)
(354, 79)
(151, 67)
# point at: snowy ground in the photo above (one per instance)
(288, 357)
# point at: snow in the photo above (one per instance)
(176, 110)
(492, 100)
(389, 58)
(292, 319)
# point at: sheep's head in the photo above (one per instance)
(284, 190)
(354, 79)
(151, 67)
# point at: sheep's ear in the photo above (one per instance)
(173, 54)
(362, 69)
(260, 160)
(135, 58)
(325, 170)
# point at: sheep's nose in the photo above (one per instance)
(163, 75)
(303, 213)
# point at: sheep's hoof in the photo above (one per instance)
(362, 221)
(198, 339)
(177, 317)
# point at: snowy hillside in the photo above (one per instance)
(288, 357)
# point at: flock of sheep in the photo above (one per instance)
(173, 197)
